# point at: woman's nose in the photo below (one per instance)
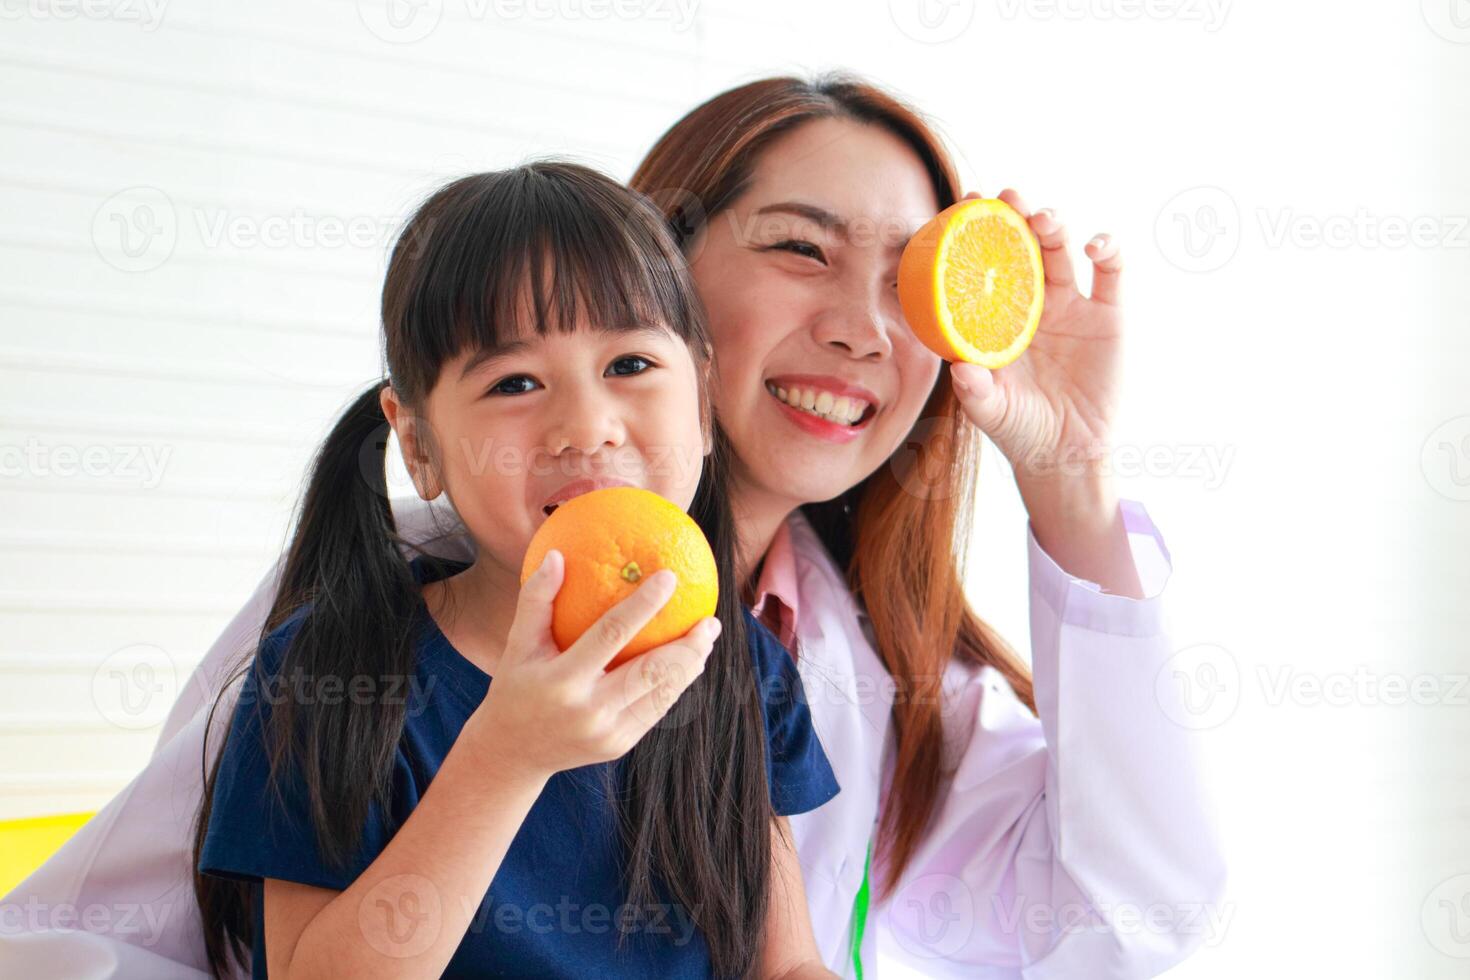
(860, 329)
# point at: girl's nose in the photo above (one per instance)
(585, 423)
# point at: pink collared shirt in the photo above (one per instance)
(1056, 838)
(777, 598)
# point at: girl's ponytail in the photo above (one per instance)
(345, 561)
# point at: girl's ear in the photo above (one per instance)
(414, 439)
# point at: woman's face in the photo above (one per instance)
(818, 379)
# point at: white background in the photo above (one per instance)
(1298, 374)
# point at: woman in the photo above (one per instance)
(1003, 842)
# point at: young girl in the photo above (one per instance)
(416, 782)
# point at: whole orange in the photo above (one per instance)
(611, 539)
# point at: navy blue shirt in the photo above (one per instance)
(557, 905)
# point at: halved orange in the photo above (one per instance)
(612, 539)
(971, 283)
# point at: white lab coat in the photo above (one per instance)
(1108, 810)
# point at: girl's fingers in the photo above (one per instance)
(531, 628)
(595, 649)
(664, 679)
(1107, 268)
(633, 681)
(1051, 234)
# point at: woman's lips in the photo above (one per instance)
(835, 423)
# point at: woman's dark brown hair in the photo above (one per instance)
(903, 551)
(694, 807)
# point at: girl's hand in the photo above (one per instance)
(549, 710)
(1051, 411)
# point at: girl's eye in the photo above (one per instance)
(516, 384)
(802, 248)
(632, 364)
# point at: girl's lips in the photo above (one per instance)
(578, 487)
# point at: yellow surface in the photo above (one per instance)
(26, 844)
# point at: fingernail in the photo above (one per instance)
(958, 381)
(1047, 213)
(666, 578)
(546, 561)
(713, 628)
(1099, 241)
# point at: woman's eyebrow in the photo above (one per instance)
(821, 216)
(829, 221)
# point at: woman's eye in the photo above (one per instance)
(516, 384)
(632, 364)
(802, 248)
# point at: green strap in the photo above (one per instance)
(860, 916)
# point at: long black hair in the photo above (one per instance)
(694, 810)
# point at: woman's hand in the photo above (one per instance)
(549, 710)
(1053, 408)
(1051, 411)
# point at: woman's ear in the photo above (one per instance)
(414, 439)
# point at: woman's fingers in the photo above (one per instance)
(1107, 268)
(615, 629)
(531, 628)
(1050, 234)
(1013, 198)
(1056, 261)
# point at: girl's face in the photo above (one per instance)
(799, 280)
(549, 417)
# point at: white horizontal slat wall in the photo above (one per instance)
(198, 372)
(1323, 371)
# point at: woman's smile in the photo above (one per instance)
(826, 407)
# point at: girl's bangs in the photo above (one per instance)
(535, 251)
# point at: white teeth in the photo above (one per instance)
(823, 404)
